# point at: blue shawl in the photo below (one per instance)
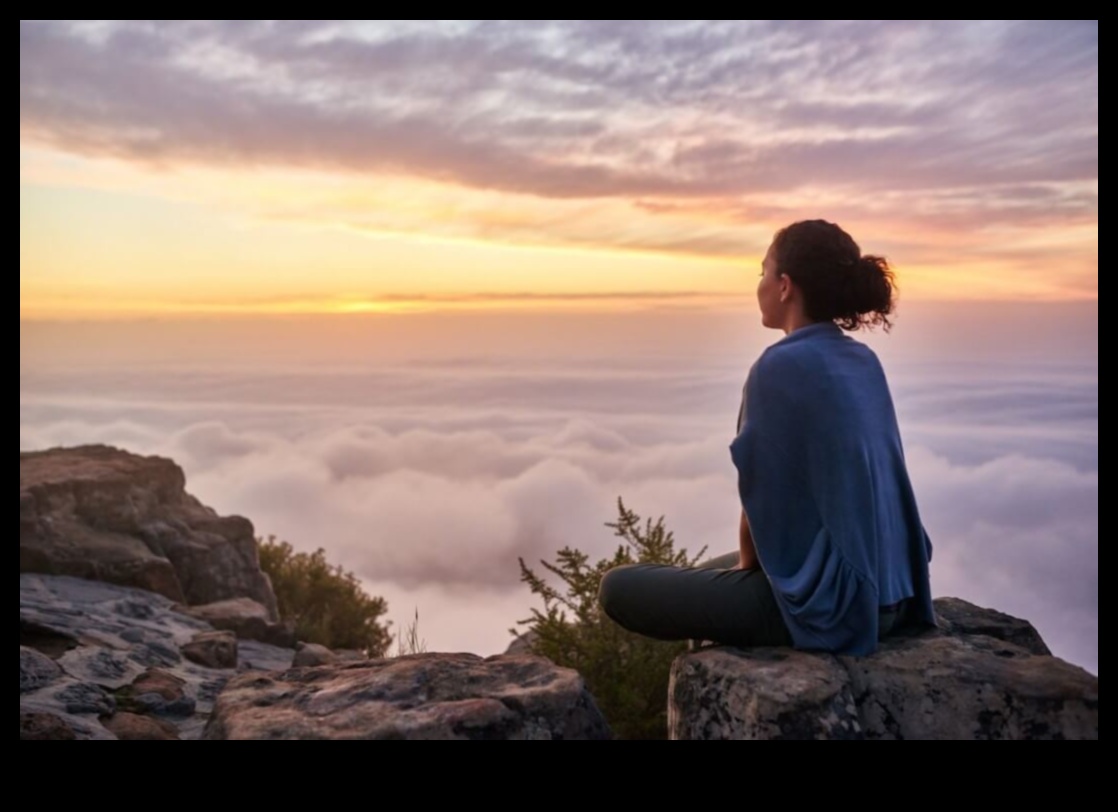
(822, 478)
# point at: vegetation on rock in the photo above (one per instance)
(627, 674)
(326, 604)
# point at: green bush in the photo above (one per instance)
(326, 604)
(627, 674)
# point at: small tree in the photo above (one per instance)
(327, 604)
(627, 674)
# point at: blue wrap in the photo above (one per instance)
(823, 480)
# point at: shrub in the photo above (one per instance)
(326, 604)
(627, 674)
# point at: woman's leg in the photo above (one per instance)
(723, 605)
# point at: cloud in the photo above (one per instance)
(581, 108)
(430, 479)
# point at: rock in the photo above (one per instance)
(254, 656)
(763, 695)
(522, 645)
(46, 641)
(247, 619)
(128, 727)
(308, 655)
(36, 671)
(956, 683)
(975, 688)
(217, 650)
(82, 699)
(44, 727)
(101, 666)
(107, 638)
(101, 514)
(431, 696)
(158, 693)
(961, 619)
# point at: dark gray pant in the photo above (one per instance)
(713, 603)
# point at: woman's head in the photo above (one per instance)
(816, 266)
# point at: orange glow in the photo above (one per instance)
(106, 239)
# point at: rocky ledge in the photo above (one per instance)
(101, 514)
(983, 676)
(98, 661)
(441, 697)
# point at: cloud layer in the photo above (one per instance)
(430, 479)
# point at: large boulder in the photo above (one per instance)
(982, 676)
(101, 514)
(430, 696)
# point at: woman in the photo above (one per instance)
(833, 556)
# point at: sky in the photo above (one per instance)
(278, 166)
(433, 294)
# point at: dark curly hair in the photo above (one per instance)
(839, 284)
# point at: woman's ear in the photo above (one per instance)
(785, 288)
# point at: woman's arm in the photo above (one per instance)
(749, 559)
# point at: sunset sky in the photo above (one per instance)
(433, 294)
(322, 166)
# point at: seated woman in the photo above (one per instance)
(833, 555)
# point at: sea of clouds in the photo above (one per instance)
(430, 468)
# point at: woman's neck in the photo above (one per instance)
(797, 319)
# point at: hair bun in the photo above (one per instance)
(839, 284)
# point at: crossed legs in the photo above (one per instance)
(714, 602)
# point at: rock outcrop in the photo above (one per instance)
(431, 697)
(105, 515)
(98, 661)
(983, 676)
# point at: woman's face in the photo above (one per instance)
(772, 293)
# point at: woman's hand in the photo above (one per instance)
(749, 559)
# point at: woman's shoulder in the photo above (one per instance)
(819, 345)
(817, 363)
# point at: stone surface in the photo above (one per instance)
(217, 650)
(765, 695)
(129, 727)
(89, 648)
(983, 676)
(309, 655)
(247, 619)
(100, 514)
(961, 619)
(36, 670)
(350, 657)
(440, 697)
